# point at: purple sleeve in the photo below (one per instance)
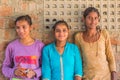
(7, 67)
(38, 70)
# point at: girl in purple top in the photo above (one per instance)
(22, 56)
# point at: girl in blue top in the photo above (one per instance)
(61, 60)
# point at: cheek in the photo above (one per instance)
(27, 30)
(87, 21)
(56, 34)
(66, 34)
(17, 31)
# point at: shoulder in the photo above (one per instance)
(13, 42)
(104, 32)
(39, 42)
(77, 34)
(71, 45)
(50, 45)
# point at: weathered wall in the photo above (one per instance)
(10, 9)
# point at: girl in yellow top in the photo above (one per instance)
(95, 47)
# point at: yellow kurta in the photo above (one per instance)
(98, 59)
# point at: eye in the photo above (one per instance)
(89, 17)
(64, 30)
(57, 30)
(24, 27)
(17, 27)
(96, 18)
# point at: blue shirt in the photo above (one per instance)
(61, 67)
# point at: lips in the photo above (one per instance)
(21, 35)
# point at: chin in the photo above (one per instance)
(22, 37)
(62, 40)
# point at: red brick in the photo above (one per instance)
(24, 6)
(3, 46)
(34, 17)
(2, 23)
(11, 23)
(9, 34)
(115, 41)
(5, 10)
(32, 6)
(4, 1)
(35, 26)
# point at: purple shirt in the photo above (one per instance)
(18, 54)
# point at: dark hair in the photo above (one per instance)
(24, 17)
(60, 22)
(90, 9)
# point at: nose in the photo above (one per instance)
(93, 20)
(20, 30)
(61, 32)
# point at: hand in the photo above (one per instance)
(78, 78)
(31, 73)
(20, 72)
(113, 75)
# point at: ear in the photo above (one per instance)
(69, 34)
(99, 19)
(53, 32)
(31, 27)
(68, 30)
(82, 19)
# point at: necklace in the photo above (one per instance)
(91, 38)
(92, 41)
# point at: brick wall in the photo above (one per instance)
(10, 9)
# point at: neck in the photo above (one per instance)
(60, 44)
(91, 32)
(27, 41)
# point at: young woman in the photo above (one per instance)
(61, 60)
(95, 46)
(22, 56)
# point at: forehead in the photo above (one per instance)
(61, 26)
(21, 22)
(93, 13)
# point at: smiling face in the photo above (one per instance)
(61, 32)
(23, 29)
(91, 20)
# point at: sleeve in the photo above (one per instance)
(46, 70)
(76, 40)
(7, 66)
(38, 70)
(109, 53)
(78, 63)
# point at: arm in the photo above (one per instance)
(37, 71)
(46, 71)
(7, 66)
(76, 40)
(113, 75)
(110, 56)
(78, 65)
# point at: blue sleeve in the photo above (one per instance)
(78, 63)
(46, 70)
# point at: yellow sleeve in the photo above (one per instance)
(77, 39)
(109, 53)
